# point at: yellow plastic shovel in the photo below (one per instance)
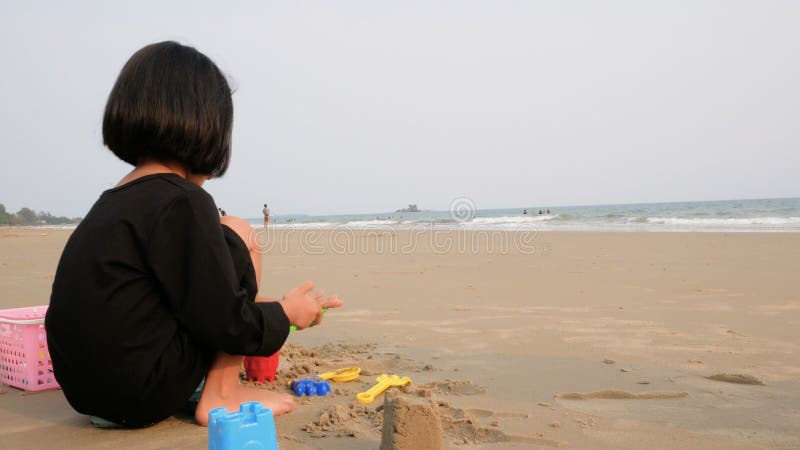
(345, 374)
(385, 381)
(339, 375)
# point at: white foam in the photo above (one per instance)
(741, 221)
(369, 223)
(302, 226)
(48, 227)
(513, 219)
(543, 222)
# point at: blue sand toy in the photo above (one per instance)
(251, 428)
(310, 387)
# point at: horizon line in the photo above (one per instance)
(544, 206)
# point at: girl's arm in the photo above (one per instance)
(192, 264)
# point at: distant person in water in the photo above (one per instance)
(266, 215)
(548, 211)
(541, 212)
(525, 211)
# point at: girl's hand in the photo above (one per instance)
(305, 309)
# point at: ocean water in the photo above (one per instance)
(763, 215)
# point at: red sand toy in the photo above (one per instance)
(262, 368)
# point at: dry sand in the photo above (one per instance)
(652, 340)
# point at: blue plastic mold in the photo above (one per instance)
(310, 387)
(251, 428)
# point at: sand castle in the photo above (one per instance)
(409, 423)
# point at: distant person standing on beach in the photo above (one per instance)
(266, 215)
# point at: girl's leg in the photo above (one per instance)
(222, 386)
(248, 235)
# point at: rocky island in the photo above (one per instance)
(411, 208)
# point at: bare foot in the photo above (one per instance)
(230, 399)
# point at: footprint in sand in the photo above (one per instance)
(736, 378)
(620, 395)
(453, 387)
(484, 413)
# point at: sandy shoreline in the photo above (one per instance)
(496, 332)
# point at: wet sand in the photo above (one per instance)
(576, 340)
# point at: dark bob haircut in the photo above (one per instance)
(171, 104)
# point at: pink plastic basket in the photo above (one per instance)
(24, 357)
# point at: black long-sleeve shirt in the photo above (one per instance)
(149, 288)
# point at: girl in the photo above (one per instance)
(154, 292)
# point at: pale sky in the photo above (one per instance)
(367, 106)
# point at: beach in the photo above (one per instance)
(538, 339)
